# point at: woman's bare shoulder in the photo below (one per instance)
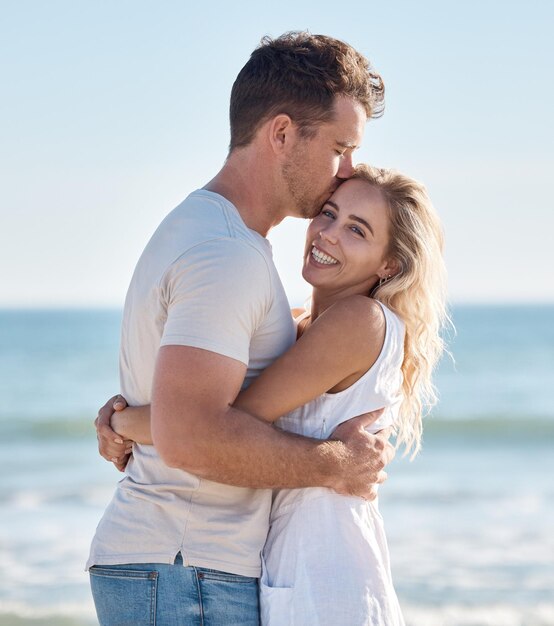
(356, 312)
(355, 324)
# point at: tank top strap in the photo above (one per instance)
(301, 317)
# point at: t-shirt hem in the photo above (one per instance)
(168, 559)
(124, 559)
(224, 566)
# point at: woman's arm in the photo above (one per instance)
(118, 426)
(133, 423)
(334, 352)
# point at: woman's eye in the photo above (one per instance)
(327, 213)
(357, 230)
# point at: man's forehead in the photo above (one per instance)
(349, 123)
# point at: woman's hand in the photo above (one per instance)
(112, 446)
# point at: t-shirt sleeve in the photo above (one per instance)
(217, 294)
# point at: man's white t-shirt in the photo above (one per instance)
(204, 280)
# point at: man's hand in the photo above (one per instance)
(112, 446)
(365, 456)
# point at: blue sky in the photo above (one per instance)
(112, 111)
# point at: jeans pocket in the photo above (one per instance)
(228, 599)
(124, 596)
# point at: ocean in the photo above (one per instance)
(469, 521)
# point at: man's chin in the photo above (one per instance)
(313, 208)
(310, 212)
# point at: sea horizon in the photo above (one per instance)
(294, 303)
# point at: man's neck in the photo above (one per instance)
(248, 184)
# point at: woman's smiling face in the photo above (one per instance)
(347, 243)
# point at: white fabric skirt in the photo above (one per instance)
(326, 562)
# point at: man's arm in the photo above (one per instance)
(195, 428)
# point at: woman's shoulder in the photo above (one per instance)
(358, 312)
(356, 323)
(356, 327)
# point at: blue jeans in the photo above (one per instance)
(157, 594)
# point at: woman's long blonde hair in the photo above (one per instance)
(417, 292)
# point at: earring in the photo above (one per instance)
(383, 279)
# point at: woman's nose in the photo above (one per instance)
(329, 234)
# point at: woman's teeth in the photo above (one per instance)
(323, 258)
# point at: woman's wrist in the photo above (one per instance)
(119, 422)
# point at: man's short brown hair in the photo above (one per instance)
(300, 74)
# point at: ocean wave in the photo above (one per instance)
(20, 614)
(21, 429)
(481, 615)
(415, 615)
(520, 429)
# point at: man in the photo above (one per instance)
(205, 313)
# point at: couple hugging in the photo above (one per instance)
(259, 437)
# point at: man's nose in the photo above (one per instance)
(346, 168)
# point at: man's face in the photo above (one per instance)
(317, 166)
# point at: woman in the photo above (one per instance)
(371, 339)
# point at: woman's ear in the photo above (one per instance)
(390, 269)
